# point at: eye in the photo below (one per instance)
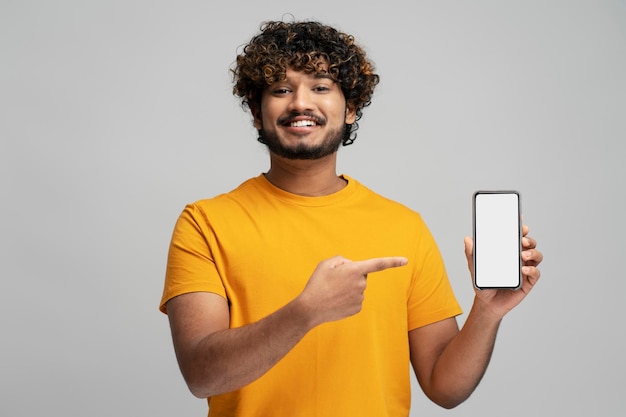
(280, 91)
(321, 88)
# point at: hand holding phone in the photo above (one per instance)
(497, 239)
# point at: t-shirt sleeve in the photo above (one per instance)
(431, 298)
(190, 262)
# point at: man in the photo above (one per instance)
(302, 292)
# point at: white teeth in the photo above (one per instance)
(302, 123)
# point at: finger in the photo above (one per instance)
(380, 264)
(524, 230)
(528, 242)
(337, 260)
(532, 257)
(531, 273)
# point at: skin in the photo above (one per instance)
(448, 362)
(301, 93)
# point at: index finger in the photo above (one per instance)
(380, 264)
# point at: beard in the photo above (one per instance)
(328, 146)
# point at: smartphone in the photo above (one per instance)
(497, 239)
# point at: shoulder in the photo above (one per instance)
(375, 208)
(225, 204)
(378, 201)
(248, 189)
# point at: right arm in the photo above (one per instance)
(215, 359)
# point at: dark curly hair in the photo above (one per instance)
(309, 47)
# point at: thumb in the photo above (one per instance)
(469, 247)
(469, 251)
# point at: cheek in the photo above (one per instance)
(265, 116)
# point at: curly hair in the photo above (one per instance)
(310, 47)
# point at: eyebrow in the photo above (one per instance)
(317, 76)
(324, 75)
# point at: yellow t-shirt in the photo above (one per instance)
(257, 247)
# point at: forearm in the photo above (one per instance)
(216, 359)
(464, 361)
(229, 359)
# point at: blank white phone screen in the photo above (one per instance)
(497, 240)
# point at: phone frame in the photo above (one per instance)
(519, 234)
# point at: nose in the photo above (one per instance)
(301, 100)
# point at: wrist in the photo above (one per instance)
(482, 310)
(302, 313)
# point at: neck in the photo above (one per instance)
(312, 178)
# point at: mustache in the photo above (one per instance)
(320, 120)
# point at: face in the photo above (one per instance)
(304, 116)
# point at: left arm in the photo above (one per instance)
(448, 362)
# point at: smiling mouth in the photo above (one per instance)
(305, 119)
(302, 123)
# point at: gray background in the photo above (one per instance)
(115, 114)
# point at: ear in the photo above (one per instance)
(256, 116)
(350, 113)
